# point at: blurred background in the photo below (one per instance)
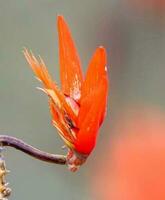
(128, 162)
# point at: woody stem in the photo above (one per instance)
(6, 140)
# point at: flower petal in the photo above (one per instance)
(70, 69)
(96, 72)
(59, 122)
(51, 88)
(90, 116)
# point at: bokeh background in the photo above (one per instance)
(133, 33)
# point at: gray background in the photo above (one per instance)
(135, 43)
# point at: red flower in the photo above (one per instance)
(78, 109)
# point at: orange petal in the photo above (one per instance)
(90, 119)
(58, 122)
(96, 72)
(70, 69)
(51, 88)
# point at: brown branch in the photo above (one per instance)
(6, 140)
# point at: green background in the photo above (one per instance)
(135, 43)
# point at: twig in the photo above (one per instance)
(6, 140)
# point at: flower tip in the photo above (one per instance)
(101, 53)
(60, 19)
(61, 24)
(59, 16)
(102, 49)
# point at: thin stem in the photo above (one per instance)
(6, 140)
